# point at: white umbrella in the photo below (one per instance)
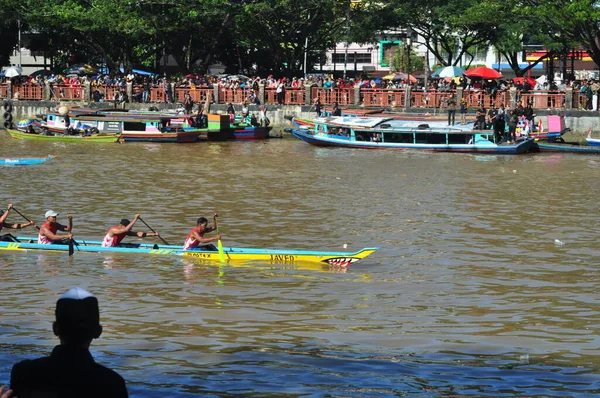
(13, 71)
(449, 71)
(542, 79)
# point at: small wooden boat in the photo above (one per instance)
(245, 132)
(158, 129)
(272, 256)
(64, 138)
(566, 147)
(556, 128)
(23, 161)
(388, 133)
(247, 129)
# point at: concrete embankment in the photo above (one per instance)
(578, 121)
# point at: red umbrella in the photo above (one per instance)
(523, 80)
(484, 73)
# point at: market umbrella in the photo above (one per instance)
(448, 71)
(81, 69)
(400, 76)
(41, 72)
(484, 72)
(13, 71)
(522, 80)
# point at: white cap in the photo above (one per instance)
(76, 293)
(51, 213)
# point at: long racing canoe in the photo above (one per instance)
(272, 256)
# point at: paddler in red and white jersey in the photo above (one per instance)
(48, 231)
(4, 224)
(196, 235)
(115, 234)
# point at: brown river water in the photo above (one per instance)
(485, 284)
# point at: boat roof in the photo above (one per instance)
(390, 123)
(353, 121)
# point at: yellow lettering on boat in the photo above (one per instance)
(283, 259)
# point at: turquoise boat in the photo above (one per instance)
(272, 256)
(23, 161)
(389, 133)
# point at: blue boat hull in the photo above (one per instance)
(584, 149)
(23, 161)
(485, 146)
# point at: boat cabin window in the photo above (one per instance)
(367, 136)
(340, 131)
(401, 138)
(134, 126)
(430, 138)
(459, 138)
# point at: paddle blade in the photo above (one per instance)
(221, 252)
(71, 250)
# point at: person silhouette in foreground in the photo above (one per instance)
(70, 371)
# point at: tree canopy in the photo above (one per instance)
(258, 36)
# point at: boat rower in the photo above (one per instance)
(115, 234)
(196, 235)
(4, 224)
(48, 232)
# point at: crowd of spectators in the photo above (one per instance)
(587, 89)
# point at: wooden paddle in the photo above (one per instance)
(150, 228)
(21, 214)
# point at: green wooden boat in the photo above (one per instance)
(64, 138)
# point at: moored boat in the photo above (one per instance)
(64, 138)
(388, 133)
(245, 132)
(566, 147)
(157, 129)
(556, 129)
(272, 256)
(23, 161)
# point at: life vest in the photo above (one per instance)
(111, 241)
(44, 240)
(190, 241)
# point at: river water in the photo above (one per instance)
(486, 282)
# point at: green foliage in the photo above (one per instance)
(258, 36)
(400, 61)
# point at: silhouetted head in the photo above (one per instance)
(77, 317)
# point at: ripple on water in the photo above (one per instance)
(468, 294)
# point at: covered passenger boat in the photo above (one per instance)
(389, 133)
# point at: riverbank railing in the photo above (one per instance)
(307, 95)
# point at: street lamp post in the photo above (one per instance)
(408, 44)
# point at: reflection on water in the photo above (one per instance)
(468, 295)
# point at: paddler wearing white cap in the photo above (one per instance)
(48, 231)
